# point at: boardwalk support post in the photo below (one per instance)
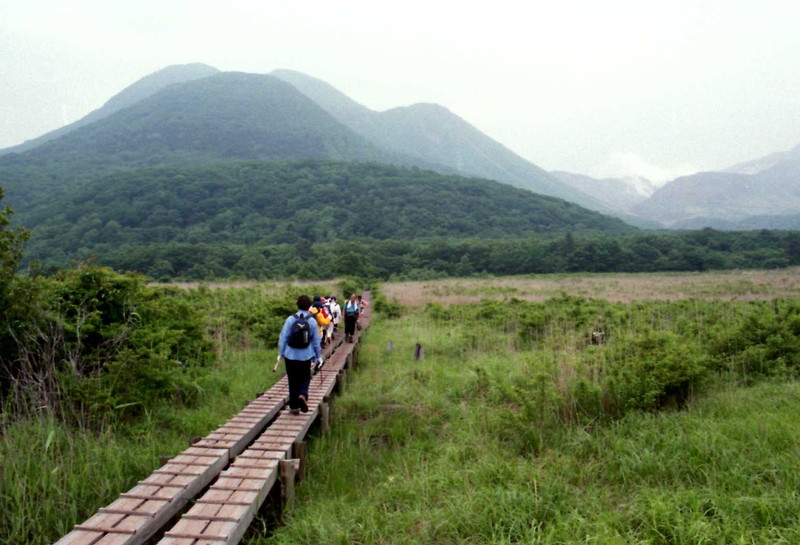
(348, 361)
(287, 475)
(325, 415)
(299, 450)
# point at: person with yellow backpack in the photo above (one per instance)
(319, 313)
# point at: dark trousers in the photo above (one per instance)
(299, 375)
(350, 325)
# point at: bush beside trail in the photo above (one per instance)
(89, 341)
(654, 354)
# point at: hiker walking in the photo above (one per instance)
(322, 317)
(336, 313)
(352, 310)
(299, 345)
(327, 331)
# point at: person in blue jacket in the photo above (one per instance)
(299, 358)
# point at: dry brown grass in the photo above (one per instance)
(726, 285)
(328, 286)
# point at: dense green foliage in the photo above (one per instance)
(294, 202)
(322, 219)
(653, 354)
(89, 341)
(11, 245)
(439, 258)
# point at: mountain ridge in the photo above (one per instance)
(225, 116)
(139, 90)
(743, 196)
(433, 132)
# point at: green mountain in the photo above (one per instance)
(295, 202)
(433, 133)
(132, 94)
(223, 117)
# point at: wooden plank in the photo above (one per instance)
(103, 529)
(134, 523)
(178, 541)
(80, 537)
(188, 528)
(249, 473)
(119, 539)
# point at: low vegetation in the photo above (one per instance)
(516, 429)
(675, 425)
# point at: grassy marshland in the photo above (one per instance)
(506, 434)
(681, 428)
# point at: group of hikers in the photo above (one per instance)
(306, 332)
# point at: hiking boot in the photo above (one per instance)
(294, 412)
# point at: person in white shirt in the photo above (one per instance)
(336, 312)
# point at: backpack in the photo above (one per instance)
(300, 333)
(351, 309)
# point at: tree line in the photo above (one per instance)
(444, 257)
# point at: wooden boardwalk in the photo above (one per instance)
(228, 474)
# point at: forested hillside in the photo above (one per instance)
(302, 202)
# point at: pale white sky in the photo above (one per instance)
(656, 88)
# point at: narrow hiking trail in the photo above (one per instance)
(210, 493)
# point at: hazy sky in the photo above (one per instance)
(657, 88)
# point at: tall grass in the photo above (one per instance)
(54, 474)
(425, 452)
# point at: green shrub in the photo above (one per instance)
(661, 369)
(92, 341)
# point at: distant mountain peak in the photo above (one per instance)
(756, 194)
(618, 193)
(437, 136)
(764, 163)
(137, 91)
